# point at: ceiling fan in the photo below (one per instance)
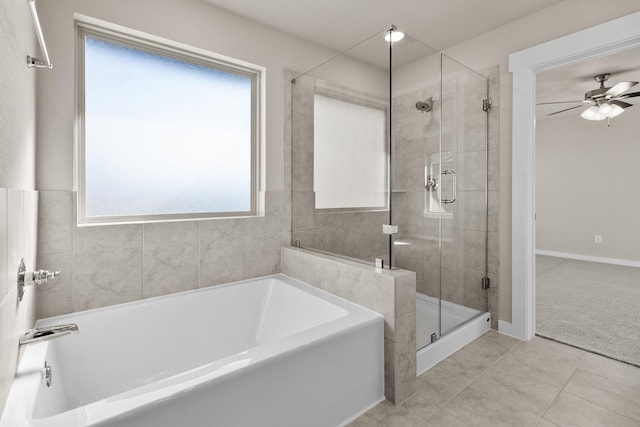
(605, 102)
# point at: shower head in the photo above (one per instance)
(425, 106)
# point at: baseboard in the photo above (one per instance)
(615, 261)
(506, 328)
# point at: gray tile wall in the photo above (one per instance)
(464, 229)
(18, 228)
(112, 264)
(353, 234)
(388, 292)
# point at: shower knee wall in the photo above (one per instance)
(388, 292)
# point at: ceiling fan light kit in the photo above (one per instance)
(606, 102)
(602, 111)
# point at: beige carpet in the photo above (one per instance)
(590, 305)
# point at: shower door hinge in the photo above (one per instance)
(486, 105)
(486, 283)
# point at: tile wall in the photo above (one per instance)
(464, 226)
(416, 137)
(388, 292)
(112, 264)
(18, 228)
(356, 234)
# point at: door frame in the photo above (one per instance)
(610, 37)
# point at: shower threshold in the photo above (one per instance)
(460, 326)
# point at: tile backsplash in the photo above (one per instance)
(18, 228)
(112, 264)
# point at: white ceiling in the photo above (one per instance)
(340, 24)
(571, 82)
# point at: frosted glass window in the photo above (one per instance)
(349, 155)
(164, 136)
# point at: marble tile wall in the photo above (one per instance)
(112, 264)
(18, 228)
(464, 225)
(353, 234)
(388, 292)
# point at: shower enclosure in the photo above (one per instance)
(390, 166)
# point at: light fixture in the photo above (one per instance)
(591, 113)
(393, 34)
(605, 110)
(616, 110)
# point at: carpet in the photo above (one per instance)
(590, 305)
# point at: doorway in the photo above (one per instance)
(613, 36)
(587, 252)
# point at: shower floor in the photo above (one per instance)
(460, 326)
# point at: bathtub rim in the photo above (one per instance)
(143, 301)
(28, 379)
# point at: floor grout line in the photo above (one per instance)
(603, 407)
(561, 390)
(472, 381)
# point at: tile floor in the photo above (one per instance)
(500, 381)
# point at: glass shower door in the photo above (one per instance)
(462, 194)
(439, 186)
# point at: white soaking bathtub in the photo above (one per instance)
(271, 351)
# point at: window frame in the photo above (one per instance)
(86, 26)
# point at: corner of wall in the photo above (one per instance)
(388, 292)
(18, 227)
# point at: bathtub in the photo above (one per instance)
(271, 351)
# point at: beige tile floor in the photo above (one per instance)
(500, 381)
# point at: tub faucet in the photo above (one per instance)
(47, 333)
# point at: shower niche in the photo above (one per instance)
(395, 133)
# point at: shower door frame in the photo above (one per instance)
(600, 40)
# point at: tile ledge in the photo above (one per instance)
(395, 273)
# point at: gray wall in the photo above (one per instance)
(587, 178)
(117, 263)
(18, 200)
(351, 233)
(461, 265)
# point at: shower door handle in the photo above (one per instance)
(454, 191)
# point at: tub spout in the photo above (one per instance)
(47, 333)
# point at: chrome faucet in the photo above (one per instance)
(47, 333)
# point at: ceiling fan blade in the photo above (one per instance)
(619, 88)
(628, 95)
(566, 109)
(622, 104)
(558, 102)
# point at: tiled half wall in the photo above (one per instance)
(113, 264)
(388, 292)
(351, 232)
